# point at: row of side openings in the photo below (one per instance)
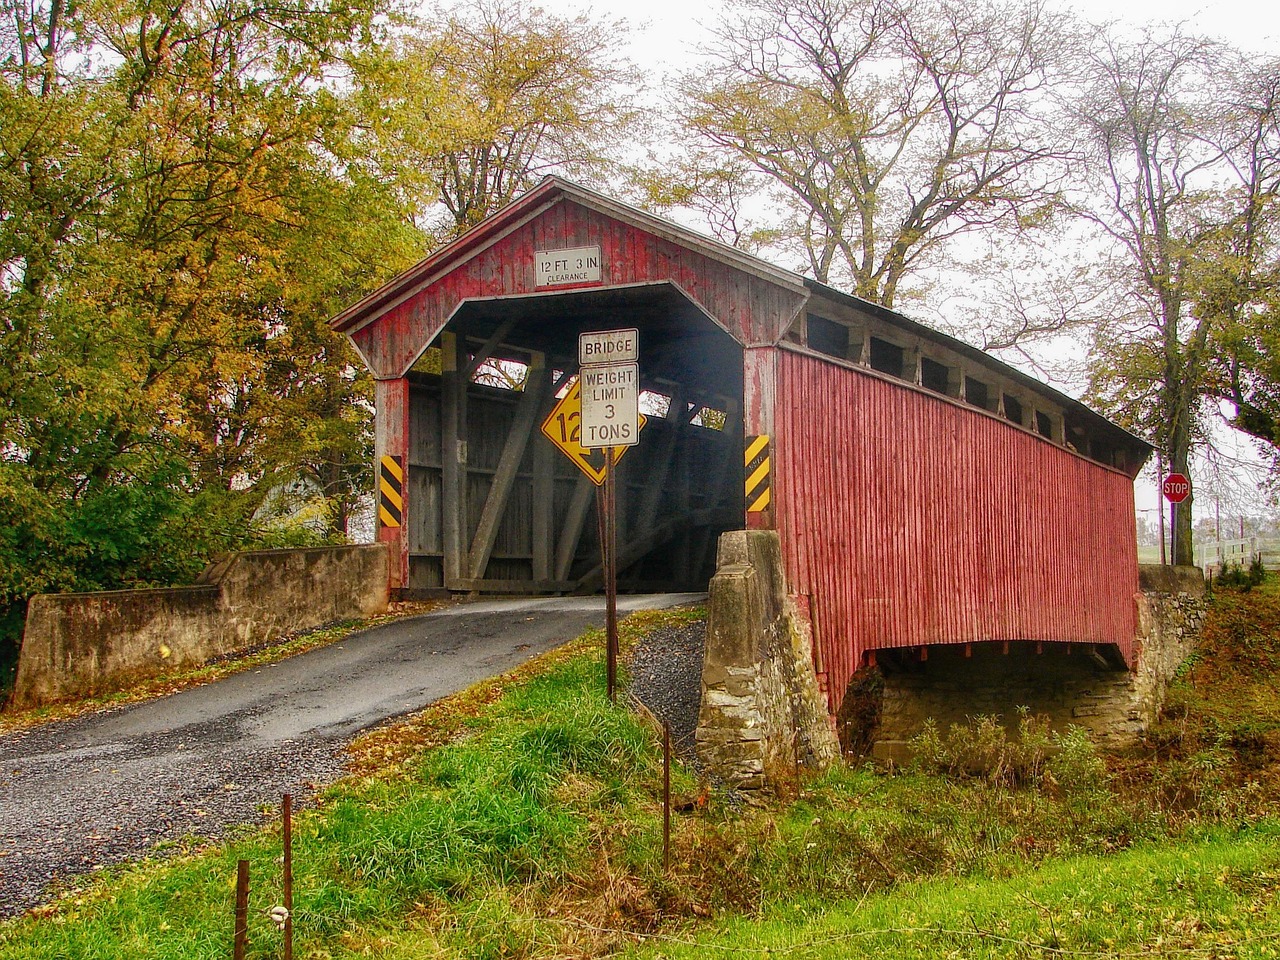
(937, 369)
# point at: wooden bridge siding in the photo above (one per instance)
(908, 520)
(751, 309)
(698, 466)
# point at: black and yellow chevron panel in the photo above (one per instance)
(391, 491)
(757, 473)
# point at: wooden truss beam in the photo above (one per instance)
(495, 504)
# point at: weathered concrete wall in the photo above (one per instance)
(1069, 685)
(80, 644)
(762, 716)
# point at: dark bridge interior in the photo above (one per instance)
(509, 513)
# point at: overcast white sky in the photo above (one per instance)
(665, 31)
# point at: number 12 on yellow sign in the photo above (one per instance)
(563, 427)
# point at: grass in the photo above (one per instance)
(1213, 897)
(521, 819)
(1218, 742)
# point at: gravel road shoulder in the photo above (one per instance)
(666, 676)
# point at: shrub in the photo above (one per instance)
(1075, 766)
(1257, 572)
(983, 749)
(1237, 575)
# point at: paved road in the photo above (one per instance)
(80, 794)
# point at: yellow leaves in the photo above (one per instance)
(465, 111)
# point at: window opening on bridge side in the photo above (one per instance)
(975, 392)
(654, 404)
(933, 375)
(1044, 425)
(1013, 409)
(502, 374)
(887, 357)
(1074, 438)
(827, 336)
(1102, 451)
(708, 417)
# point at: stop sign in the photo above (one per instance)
(1176, 487)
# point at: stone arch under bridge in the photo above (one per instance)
(924, 494)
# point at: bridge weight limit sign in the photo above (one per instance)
(608, 395)
(610, 383)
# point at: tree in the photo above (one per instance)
(172, 234)
(472, 107)
(885, 129)
(1181, 203)
(1237, 285)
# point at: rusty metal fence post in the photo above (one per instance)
(241, 935)
(287, 841)
(666, 796)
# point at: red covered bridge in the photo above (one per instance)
(924, 493)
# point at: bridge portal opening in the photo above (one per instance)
(496, 507)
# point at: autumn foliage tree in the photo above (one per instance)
(476, 103)
(187, 193)
(164, 194)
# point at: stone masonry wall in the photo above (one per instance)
(81, 644)
(1069, 685)
(762, 717)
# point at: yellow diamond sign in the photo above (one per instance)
(563, 427)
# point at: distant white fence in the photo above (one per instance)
(1215, 554)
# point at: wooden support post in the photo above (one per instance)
(391, 439)
(727, 480)
(666, 796)
(453, 457)
(544, 495)
(240, 934)
(286, 817)
(683, 558)
(656, 482)
(495, 504)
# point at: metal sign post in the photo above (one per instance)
(610, 558)
(610, 419)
